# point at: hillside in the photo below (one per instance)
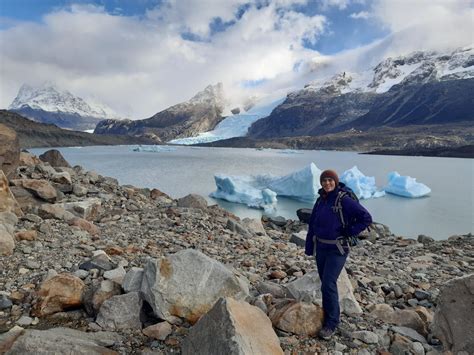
(33, 134)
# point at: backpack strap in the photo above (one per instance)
(337, 208)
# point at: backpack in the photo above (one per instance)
(337, 208)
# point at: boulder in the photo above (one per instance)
(59, 293)
(26, 199)
(86, 209)
(56, 211)
(62, 178)
(187, 284)
(9, 151)
(401, 317)
(106, 290)
(29, 235)
(255, 226)
(299, 238)
(121, 312)
(133, 280)
(304, 214)
(308, 288)
(453, 321)
(84, 225)
(54, 158)
(8, 203)
(278, 220)
(28, 159)
(7, 243)
(158, 331)
(299, 318)
(63, 341)
(232, 327)
(193, 201)
(236, 227)
(41, 188)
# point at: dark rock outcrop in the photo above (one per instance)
(201, 113)
(54, 158)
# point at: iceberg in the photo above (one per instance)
(239, 189)
(261, 191)
(302, 185)
(405, 186)
(153, 148)
(363, 186)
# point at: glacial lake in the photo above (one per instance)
(183, 170)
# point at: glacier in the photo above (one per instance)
(363, 186)
(235, 125)
(405, 186)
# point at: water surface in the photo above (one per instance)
(447, 211)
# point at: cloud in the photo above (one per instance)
(340, 4)
(426, 24)
(360, 15)
(140, 65)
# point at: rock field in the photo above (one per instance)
(91, 267)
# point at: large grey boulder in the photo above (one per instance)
(63, 341)
(453, 322)
(308, 288)
(193, 201)
(232, 327)
(187, 284)
(121, 312)
(54, 158)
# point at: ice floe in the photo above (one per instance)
(363, 186)
(153, 148)
(405, 186)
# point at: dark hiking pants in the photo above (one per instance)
(330, 264)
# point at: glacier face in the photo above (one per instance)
(234, 125)
(50, 98)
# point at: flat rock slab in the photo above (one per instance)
(187, 284)
(64, 341)
(232, 327)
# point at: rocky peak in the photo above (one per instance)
(212, 96)
(50, 98)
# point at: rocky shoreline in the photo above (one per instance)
(132, 271)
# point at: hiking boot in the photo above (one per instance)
(326, 333)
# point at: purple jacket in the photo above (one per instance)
(325, 223)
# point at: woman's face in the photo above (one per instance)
(328, 184)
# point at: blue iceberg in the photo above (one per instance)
(405, 186)
(363, 186)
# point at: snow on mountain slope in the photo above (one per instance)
(418, 67)
(234, 125)
(50, 98)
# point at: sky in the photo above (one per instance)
(142, 56)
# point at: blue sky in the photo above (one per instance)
(141, 56)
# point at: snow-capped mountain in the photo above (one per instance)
(49, 104)
(419, 88)
(415, 68)
(199, 114)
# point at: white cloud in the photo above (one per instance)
(139, 66)
(340, 4)
(360, 15)
(427, 24)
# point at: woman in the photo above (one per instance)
(325, 237)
